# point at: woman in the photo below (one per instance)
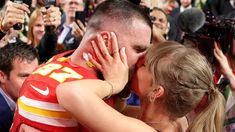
(36, 28)
(171, 82)
(42, 31)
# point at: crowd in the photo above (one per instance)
(114, 65)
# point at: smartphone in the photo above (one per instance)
(80, 15)
(18, 26)
(136, 2)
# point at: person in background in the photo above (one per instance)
(175, 33)
(219, 7)
(36, 28)
(41, 38)
(17, 61)
(225, 75)
(171, 81)
(160, 20)
(66, 38)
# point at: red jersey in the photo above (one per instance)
(37, 105)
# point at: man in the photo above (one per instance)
(66, 37)
(17, 61)
(38, 106)
(175, 33)
(219, 7)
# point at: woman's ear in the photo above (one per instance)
(156, 93)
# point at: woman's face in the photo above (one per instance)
(142, 79)
(159, 19)
(38, 30)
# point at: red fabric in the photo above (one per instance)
(46, 81)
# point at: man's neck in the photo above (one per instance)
(77, 59)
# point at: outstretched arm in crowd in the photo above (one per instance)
(14, 14)
(47, 46)
(89, 109)
(224, 66)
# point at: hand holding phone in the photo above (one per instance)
(18, 26)
(80, 15)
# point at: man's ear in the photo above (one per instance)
(156, 93)
(107, 37)
(3, 77)
(107, 40)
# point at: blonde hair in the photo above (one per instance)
(186, 77)
(36, 13)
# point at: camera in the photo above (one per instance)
(18, 26)
(215, 29)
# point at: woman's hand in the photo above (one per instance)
(223, 61)
(51, 16)
(113, 64)
(225, 69)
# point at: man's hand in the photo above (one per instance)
(223, 61)
(14, 14)
(157, 35)
(78, 29)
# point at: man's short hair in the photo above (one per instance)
(120, 11)
(12, 51)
